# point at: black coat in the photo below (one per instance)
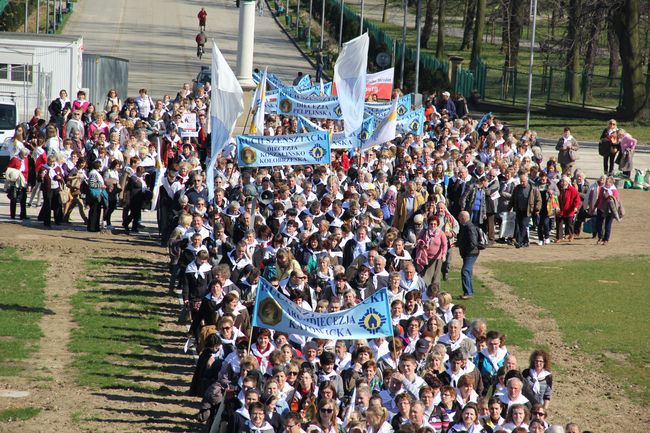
(467, 240)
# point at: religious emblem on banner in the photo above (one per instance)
(248, 155)
(372, 321)
(286, 106)
(317, 152)
(270, 312)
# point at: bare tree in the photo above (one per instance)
(440, 44)
(515, 20)
(427, 28)
(612, 45)
(468, 23)
(626, 24)
(479, 29)
(573, 51)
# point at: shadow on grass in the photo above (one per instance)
(25, 309)
(120, 346)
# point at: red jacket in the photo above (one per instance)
(16, 162)
(569, 201)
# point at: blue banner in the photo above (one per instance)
(316, 90)
(340, 141)
(381, 110)
(369, 319)
(304, 83)
(296, 149)
(272, 79)
(412, 122)
(318, 107)
(306, 125)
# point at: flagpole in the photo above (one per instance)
(250, 339)
(246, 122)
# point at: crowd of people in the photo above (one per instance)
(327, 237)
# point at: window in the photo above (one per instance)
(16, 72)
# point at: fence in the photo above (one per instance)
(554, 85)
(434, 72)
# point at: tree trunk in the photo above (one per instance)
(440, 44)
(505, 27)
(626, 25)
(383, 12)
(573, 51)
(468, 23)
(594, 19)
(427, 28)
(612, 45)
(516, 9)
(479, 29)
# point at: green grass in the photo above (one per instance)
(19, 414)
(581, 129)
(22, 303)
(484, 306)
(599, 305)
(117, 325)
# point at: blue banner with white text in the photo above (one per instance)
(272, 151)
(369, 319)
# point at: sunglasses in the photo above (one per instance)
(539, 413)
(292, 373)
(326, 410)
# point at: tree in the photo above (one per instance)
(468, 23)
(612, 45)
(626, 24)
(573, 51)
(594, 15)
(479, 29)
(440, 44)
(514, 15)
(427, 28)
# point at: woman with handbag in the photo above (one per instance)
(431, 251)
(625, 158)
(608, 146)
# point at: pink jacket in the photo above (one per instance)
(430, 247)
(627, 143)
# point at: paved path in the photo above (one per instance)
(157, 37)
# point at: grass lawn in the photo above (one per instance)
(22, 302)
(19, 414)
(484, 306)
(599, 305)
(117, 324)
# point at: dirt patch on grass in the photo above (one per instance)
(583, 393)
(156, 403)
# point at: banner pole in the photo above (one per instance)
(250, 339)
(246, 122)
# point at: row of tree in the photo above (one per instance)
(616, 24)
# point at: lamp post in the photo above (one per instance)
(530, 66)
(322, 26)
(361, 19)
(417, 48)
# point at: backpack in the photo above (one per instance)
(482, 239)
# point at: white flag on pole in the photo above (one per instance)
(386, 130)
(350, 81)
(227, 104)
(257, 125)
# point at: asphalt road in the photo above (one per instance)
(157, 37)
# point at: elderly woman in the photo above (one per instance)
(625, 158)
(609, 208)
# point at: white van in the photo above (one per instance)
(8, 122)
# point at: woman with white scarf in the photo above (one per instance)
(567, 148)
(539, 377)
(196, 281)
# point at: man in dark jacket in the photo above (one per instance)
(467, 243)
(526, 201)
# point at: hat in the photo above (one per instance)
(266, 197)
(447, 94)
(418, 219)
(422, 346)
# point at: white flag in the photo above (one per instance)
(257, 125)
(350, 81)
(386, 130)
(227, 104)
